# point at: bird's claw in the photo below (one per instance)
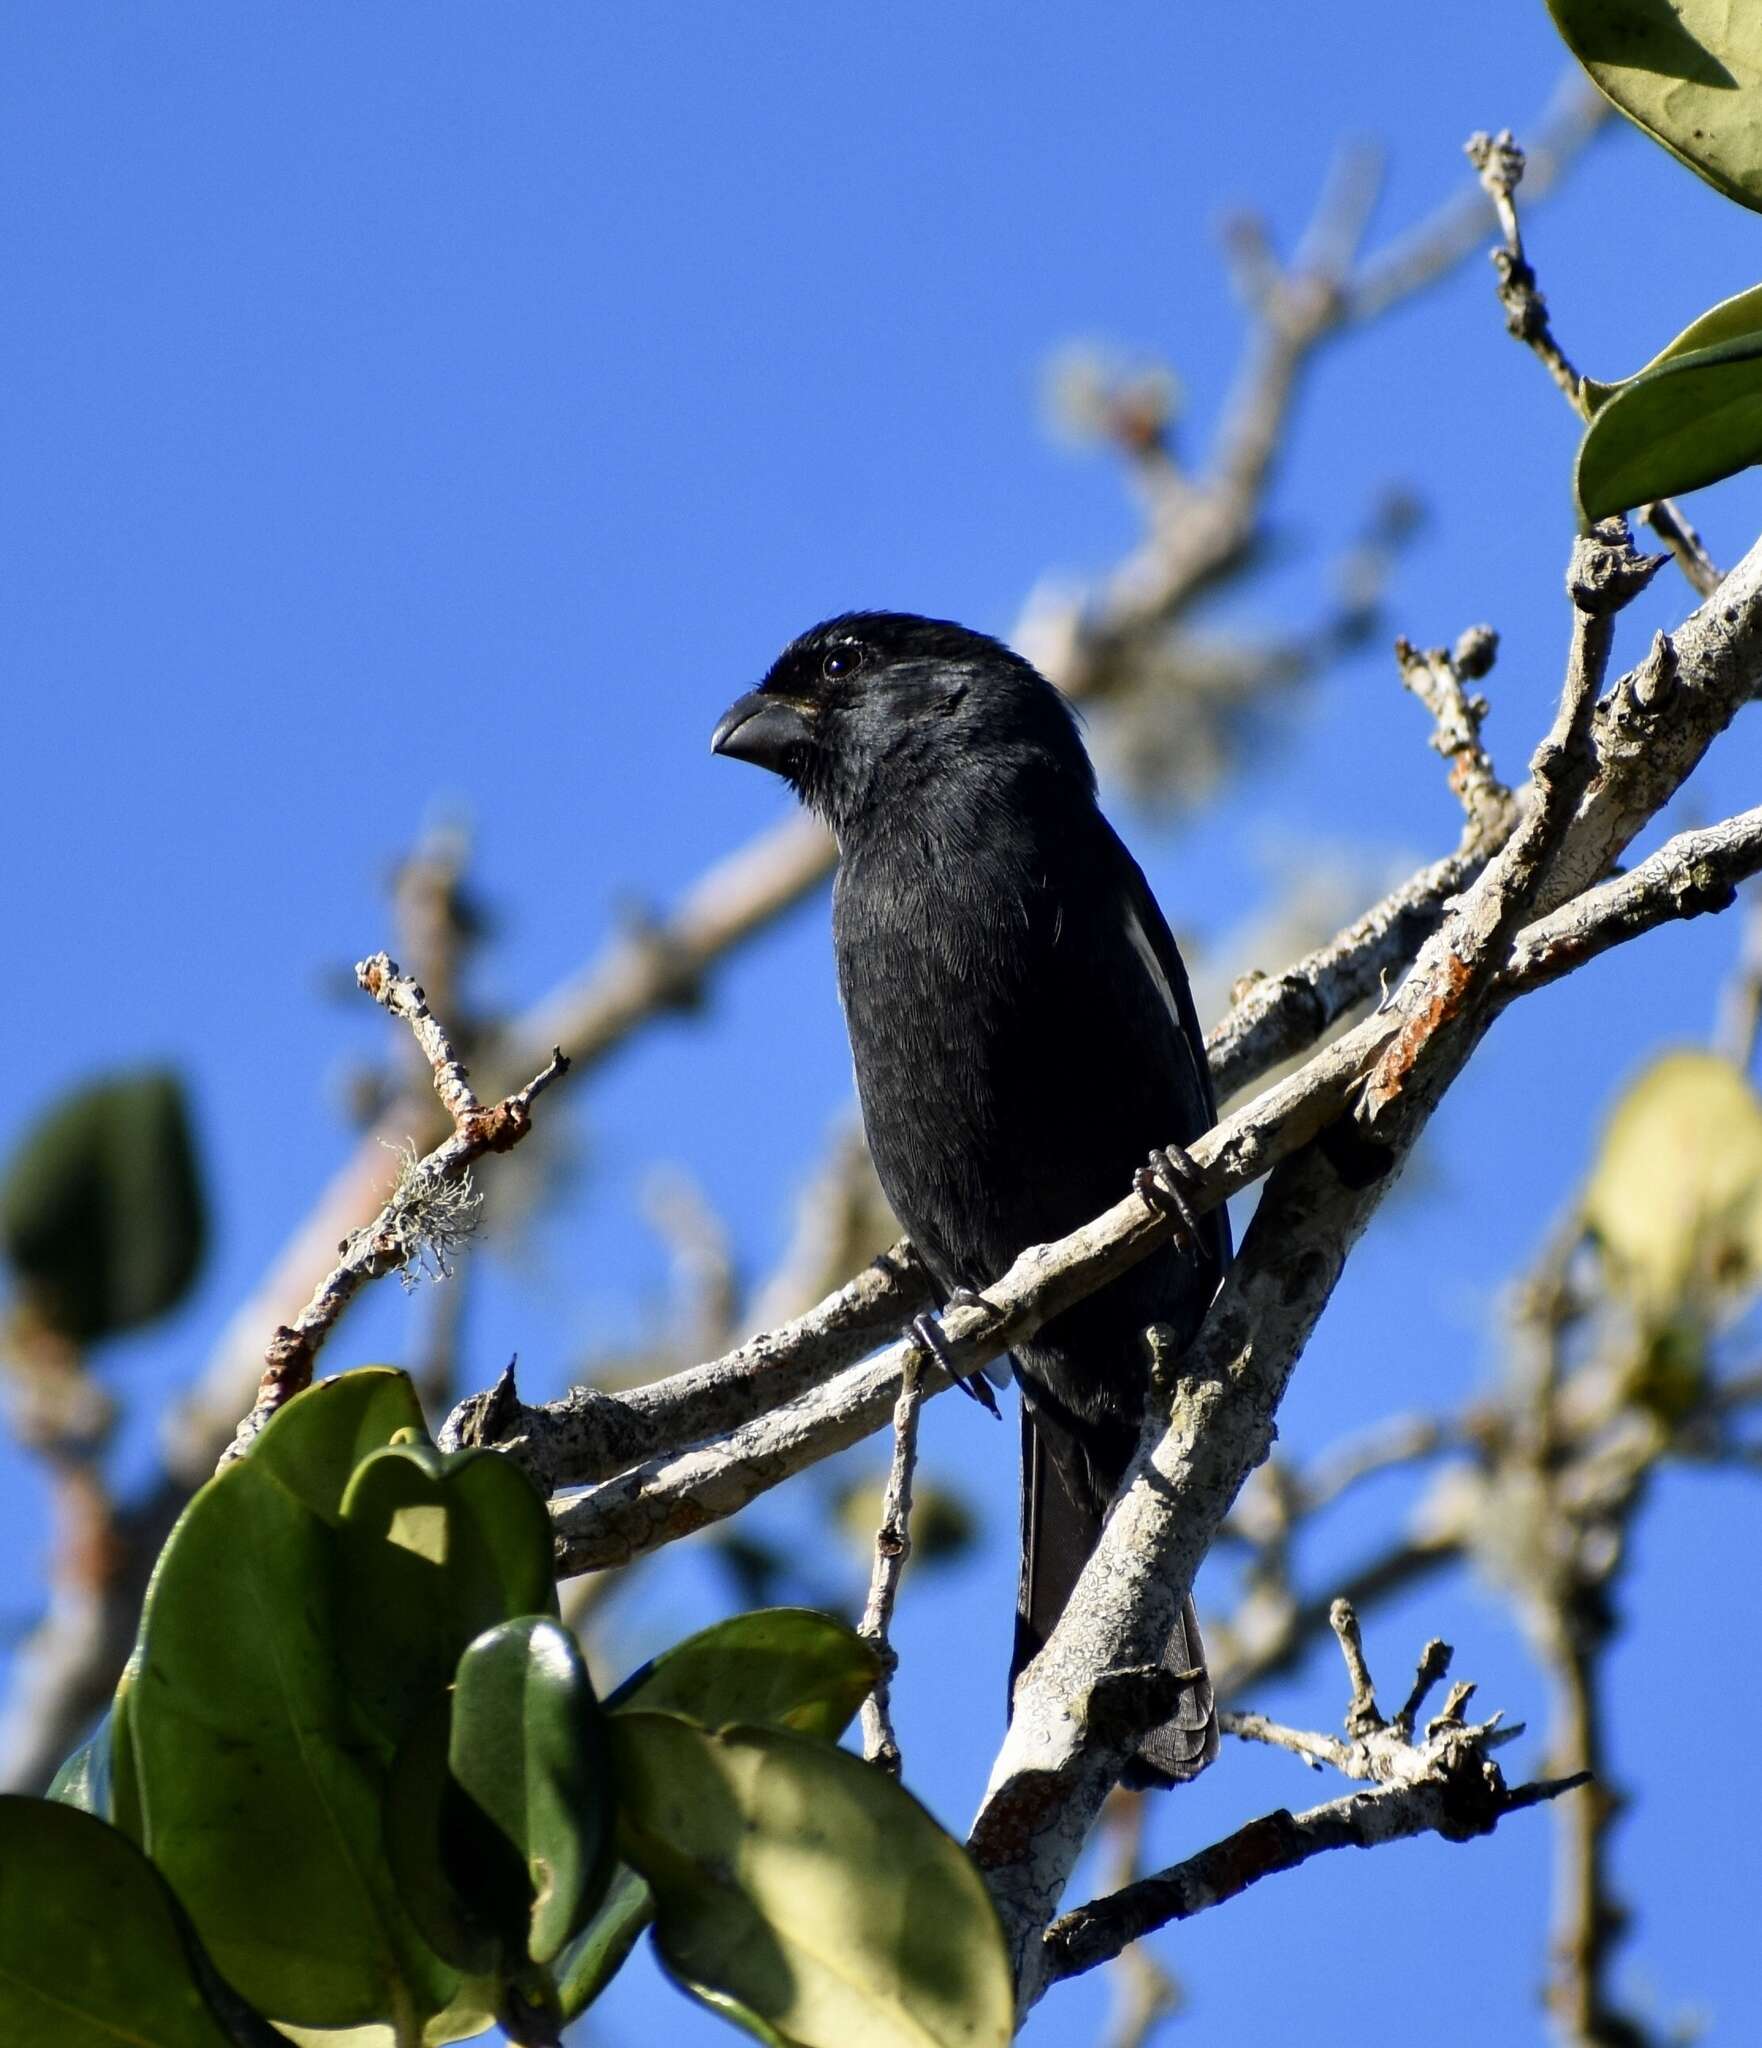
(1165, 1183)
(929, 1333)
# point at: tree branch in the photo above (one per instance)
(1501, 164)
(1095, 1933)
(893, 1545)
(677, 1491)
(1446, 1784)
(430, 1208)
(1060, 1754)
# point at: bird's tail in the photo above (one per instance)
(1061, 1525)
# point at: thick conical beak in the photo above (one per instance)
(761, 729)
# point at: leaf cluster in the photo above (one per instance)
(356, 1787)
(1688, 73)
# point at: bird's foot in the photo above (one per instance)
(928, 1332)
(1165, 1183)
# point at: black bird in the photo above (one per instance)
(1022, 1032)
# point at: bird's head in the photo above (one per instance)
(871, 710)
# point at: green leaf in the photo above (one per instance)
(261, 1802)
(456, 2024)
(83, 1781)
(94, 1949)
(101, 1212)
(435, 1549)
(782, 1667)
(1689, 72)
(421, 1815)
(1675, 1196)
(1733, 319)
(800, 1889)
(99, 1777)
(528, 1748)
(1694, 420)
(316, 1441)
(597, 1953)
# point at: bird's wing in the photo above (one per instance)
(1154, 943)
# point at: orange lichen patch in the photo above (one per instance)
(1452, 983)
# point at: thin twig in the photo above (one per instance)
(1439, 678)
(1361, 1714)
(430, 1205)
(1414, 261)
(1500, 164)
(1303, 1743)
(893, 1545)
(1095, 1933)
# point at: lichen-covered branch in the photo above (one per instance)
(1447, 1804)
(677, 1490)
(1446, 1784)
(1598, 778)
(430, 1207)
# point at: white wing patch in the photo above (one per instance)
(1147, 953)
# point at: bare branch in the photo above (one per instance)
(1312, 1749)
(1095, 1933)
(589, 1435)
(1440, 679)
(893, 1544)
(1060, 1756)
(430, 1205)
(1501, 166)
(1446, 1784)
(659, 966)
(1690, 875)
(675, 1492)
(1430, 252)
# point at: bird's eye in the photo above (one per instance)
(843, 660)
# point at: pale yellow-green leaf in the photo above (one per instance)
(1675, 1197)
(807, 1895)
(453, 2025)
(1689, 72)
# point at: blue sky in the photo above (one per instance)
(413, 410)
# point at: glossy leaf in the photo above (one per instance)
(94, 1949)
(528, 1748)
(434, 1550)
(1732, 319)
(1689, 72)
(796, 1885)
(99, 1777)
(421, 1814)
(454, 2025)
(316, 1441)
(1675, 1197)
(101, 1212)
(261, 1803)
(83, 1781)
(780, 1667)
(598, 1952)
(1695, 419)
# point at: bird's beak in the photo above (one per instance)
(762, 729)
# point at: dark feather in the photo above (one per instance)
(1022, 1032)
